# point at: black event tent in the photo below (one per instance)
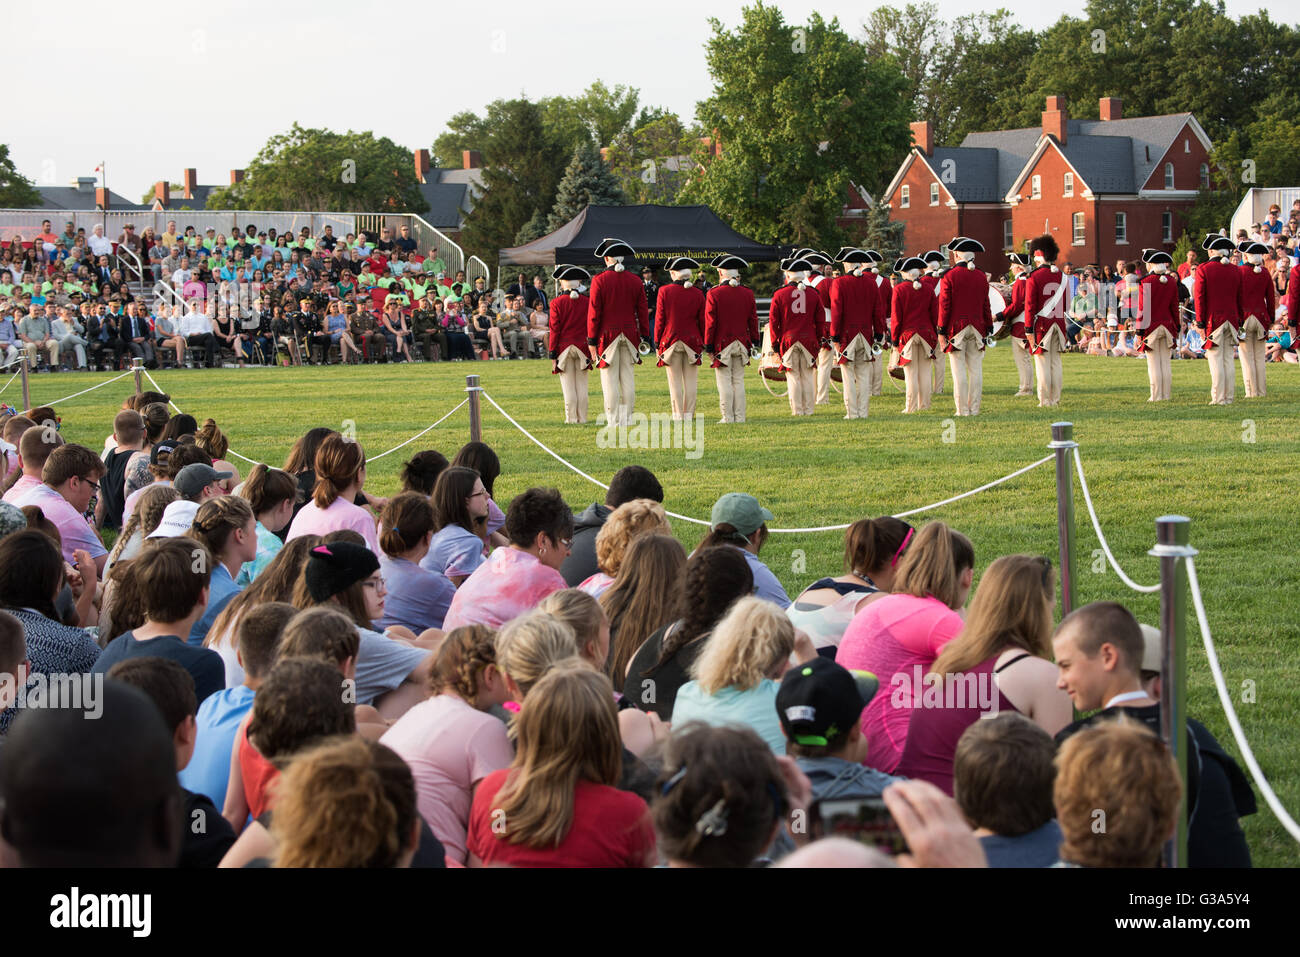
(657, 233)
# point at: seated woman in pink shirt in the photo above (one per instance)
(898, 637)
(340, 474)
(1001, 661)
(539, 527)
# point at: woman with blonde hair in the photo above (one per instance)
(642, 599)
(629, 521)
(736, 676)
(1001, 661)
(346, 802)
(583, 614)
(902, 634)
(340, 470)
(213, 441)
(557, 804)
(528, 646)
(450, 740)
(227, 527)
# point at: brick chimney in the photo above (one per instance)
(236, 176)
(923, 137)
(101, 198)
(1112, 108)
(604, 154)
(1055, 118)
(472, 159)
(191, 181)
(422, 166)
(162, 192)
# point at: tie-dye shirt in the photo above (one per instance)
(509, 583)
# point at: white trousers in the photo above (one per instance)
(917, 374)
(1159, 367)
(1223, 377)
(967, 361)
(573, 384)
(801, 377)
(1253, 353)
(825, 361)
(1024, 366)
(730, 377)
(1047, 367)
(878, 374)
(683, 379)
(617, 381)
(937, 388)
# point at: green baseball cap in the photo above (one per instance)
(742, 512)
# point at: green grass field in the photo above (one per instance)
(1232, 470)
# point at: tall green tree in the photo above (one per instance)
(317, 169)
(535, 228)
(654, 161)
(789, 108)
(587, 182)
(16, 190)
(882, 234)
(522, 166)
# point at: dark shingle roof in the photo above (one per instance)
(70, 197)
(973, 171)
(1104, 162)
(446, 204)
(1014, 149)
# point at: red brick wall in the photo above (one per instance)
(1054, 208)
(986, 226)
(927, 227)
(1187, 166)
(1143, 227)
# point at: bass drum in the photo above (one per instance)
(769, 368)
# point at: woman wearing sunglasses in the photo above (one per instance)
(873, 548)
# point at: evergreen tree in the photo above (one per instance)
(882, 234)
(16, 190)
(535, 228)
(587, 182)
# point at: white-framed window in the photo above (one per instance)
(1007, 241)
(1035, 187)
(1166, 227)
(934, 194)
(1205, 176)
(1078, 229)
(1187, 145)
(1069, 184)
(1169, 176)
(1121, 228)
(904, 197)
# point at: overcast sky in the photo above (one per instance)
(221, 80)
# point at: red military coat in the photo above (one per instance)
(964, 301)
(679, 317)
(1041, 287)
(1218, 296)
(617, 307)
(1158, 304)
(885, 289)
(1258, 297)
(1293, 298)
(796, 317)
(730, 315)
(855, 302)
(822, 284)
(1015, 312)
(914, 312)
(568, 325)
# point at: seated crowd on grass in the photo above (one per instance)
(329, 677)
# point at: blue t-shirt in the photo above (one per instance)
(454, 552)
(221, 589)
(219, 717)
(765, 583)
(417, 598)
(382, 664)
(1039, 848)
(755, 708)
(268, 546)
(204, 665)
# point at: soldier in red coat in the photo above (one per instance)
(914, 317)
(935, 266)
(730, 333)
(1015, 315)
(568, 340)
(795, 327)
(1045, 292)
(819, 279)
(679, 334)
(1293, 300)
(1218, 313)
(1157, 321)
(1258, 307)
(618, 320)
(855, 303)
(965, 318)
(885, 292)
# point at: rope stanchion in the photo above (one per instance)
(775, 531)
(91, 389)
(1105, 546)
(1270, 798)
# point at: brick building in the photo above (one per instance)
(1105, 189)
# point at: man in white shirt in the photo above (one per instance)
(196, 327)
(99, 243)
(67, 330)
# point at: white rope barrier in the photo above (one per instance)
(11, 380)
(774, 531)
(1225, 699)
(371, 458)
(91, 389)
(1105, 546)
